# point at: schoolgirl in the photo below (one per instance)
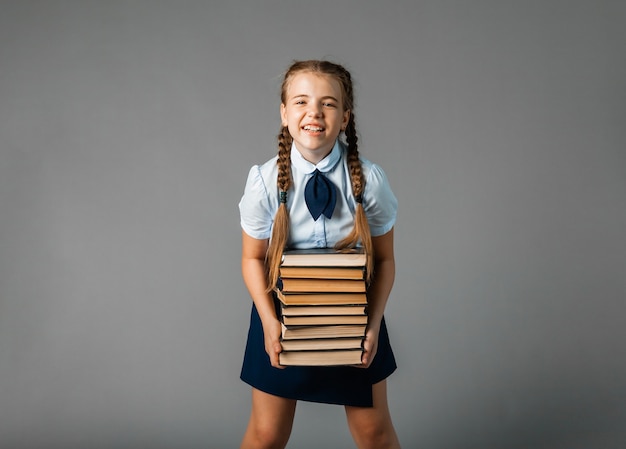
(355, 207)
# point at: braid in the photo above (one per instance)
(361, 230)
(280, 230)
(354, 164)
(284, 160)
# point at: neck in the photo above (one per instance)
(314, 156)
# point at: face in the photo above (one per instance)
(313, 112)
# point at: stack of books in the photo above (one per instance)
(323, 307)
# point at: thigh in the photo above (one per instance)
(272, 409)
(379, 412)
(372, 426)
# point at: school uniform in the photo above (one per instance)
(343, 385)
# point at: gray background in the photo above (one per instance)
(127, 129)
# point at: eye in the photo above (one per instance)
(329, 105)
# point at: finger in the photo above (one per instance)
(274, 356)
(274, 361)
(365, 361)
(368, 355)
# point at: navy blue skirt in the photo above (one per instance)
(343, 385)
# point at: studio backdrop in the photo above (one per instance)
(127, 129)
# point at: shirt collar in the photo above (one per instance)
(325, 165)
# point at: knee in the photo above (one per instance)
(375, 435)
(268, 437)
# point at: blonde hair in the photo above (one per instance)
(361, 230)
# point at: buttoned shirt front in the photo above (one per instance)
(261, 200)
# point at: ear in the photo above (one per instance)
(283, 115)
(346, 118)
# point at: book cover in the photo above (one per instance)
(333, 331)
(321, 358)
(325, 257)
(322, 285)
(304, 310)
(320, 320)
(323, 272)
(322, 344)
(288, 298)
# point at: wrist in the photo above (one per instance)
(269, 321)
(373, 325)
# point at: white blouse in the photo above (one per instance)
(261, 200)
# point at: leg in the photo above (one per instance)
(372, 428)
(270, 423)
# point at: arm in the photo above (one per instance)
(378, 292)
(254, 276)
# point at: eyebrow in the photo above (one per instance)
(327, 97)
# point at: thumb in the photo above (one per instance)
(365, 357)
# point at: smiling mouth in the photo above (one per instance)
(312, 128)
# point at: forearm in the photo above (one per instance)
(379, 291)
(254, 276)
(384, 275)
(253, 271)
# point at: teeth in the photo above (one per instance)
(313, 128)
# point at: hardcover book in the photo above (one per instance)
(323, 307)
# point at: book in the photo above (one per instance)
(322, 344)
(323, 272)
(326, 331)
(323, 307)
(314, 320)
(304, 285)
(305, 310)
(288, 298)
(321, 358)
(323, 257)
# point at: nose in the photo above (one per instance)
(315, 110)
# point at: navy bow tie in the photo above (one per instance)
(320, 195)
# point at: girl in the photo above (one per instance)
(316, 107)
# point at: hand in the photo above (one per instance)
(370, 347)
(272, 333)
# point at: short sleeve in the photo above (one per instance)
(380, 203)
(254, 207)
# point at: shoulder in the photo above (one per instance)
(266, 169)
(370, 169)
(257, 206)
(379, 201)
(262, 176)
(374, 174)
